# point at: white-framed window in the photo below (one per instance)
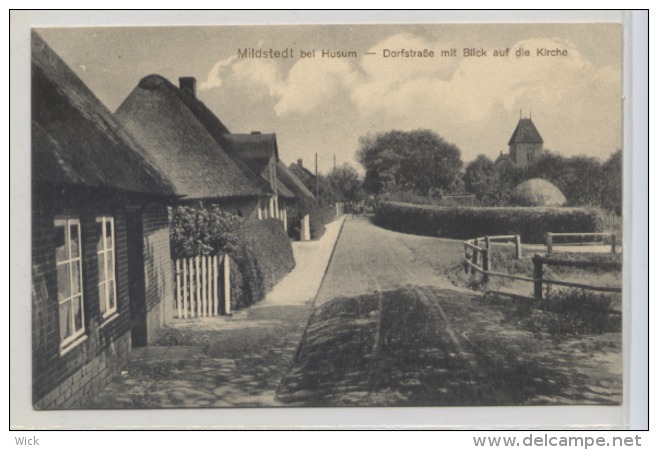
(68, 256)
(107, 287)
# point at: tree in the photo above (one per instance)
(480, 179)
(611, 183)
(581, 181)
(345, 183)
(419, 161)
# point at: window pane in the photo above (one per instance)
(76, 280)
(110, 265)
(75, 239)
(110, 290)
(63, 282)
(64, 320)
(77, 313)
(99, 234)
(108, 234)
(101, 298)
(101, 267)
(61, 250)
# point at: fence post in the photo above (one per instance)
(517, 241)
(476, 254)
(549, 243)
(204, 287)
(306, 229)
(185, 287)
(215, 294)
(486, 255)
(178, 299)
(613, 243)
(485, 264)
(197, 277)
(227, 285)
(537, 275)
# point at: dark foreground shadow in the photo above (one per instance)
(424, 346)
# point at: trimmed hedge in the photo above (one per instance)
(263, 258)
(469, 222)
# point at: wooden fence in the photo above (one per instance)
(478, 253)
(203, 286)
(478, 259)
(550, 240)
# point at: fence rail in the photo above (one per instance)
(474, 253)
(550, 242)
(203, 286)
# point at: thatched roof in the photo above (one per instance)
(537, 192)
(303, 174)
(283, 191)
(176, 142)
(525, 133)
(75, 139)
(219, 131)
(255, 149)
(208, 119)
(288, 178)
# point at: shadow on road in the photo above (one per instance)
(426, 346)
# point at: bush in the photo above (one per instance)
(577, 312)
(203, 231)
(318, 216)
(469, 222)
(260, 249)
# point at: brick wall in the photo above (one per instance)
(67, 380)
(158, 269)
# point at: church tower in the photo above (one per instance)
(525, 145)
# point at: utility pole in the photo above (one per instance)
(317, 198)
(334, 161)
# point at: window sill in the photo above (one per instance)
(109, 319)
(70, 346)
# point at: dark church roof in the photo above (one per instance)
(525, 133)
(502, 158)
(176, 142)
(76, 140)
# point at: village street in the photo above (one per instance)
(387, 328)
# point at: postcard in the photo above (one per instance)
(347, 215)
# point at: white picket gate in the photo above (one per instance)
(203, 287)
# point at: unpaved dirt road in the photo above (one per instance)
(390, 329)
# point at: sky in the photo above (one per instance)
(324, 105)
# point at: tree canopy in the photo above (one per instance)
(583, 180)
(345, 183)
(418, 161)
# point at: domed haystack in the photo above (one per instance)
(537, 192)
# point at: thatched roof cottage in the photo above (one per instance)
(255, 153)
(293, 183)
(100, 239)
(176, 142)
